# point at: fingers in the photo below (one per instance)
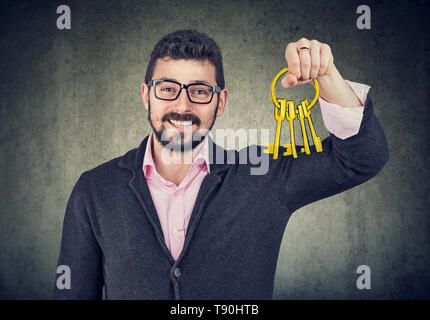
(293, 60)
(306, 64)
(315, 59)
(305, 57)
(325, 59)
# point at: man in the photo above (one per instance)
(152, 225)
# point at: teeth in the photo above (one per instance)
(181, 123)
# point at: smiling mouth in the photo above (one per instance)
(181, 124)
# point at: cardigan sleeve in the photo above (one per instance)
(80, 251)
(341, 165)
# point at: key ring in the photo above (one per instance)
(275, 100)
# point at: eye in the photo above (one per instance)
(200, 91)
(168, 89)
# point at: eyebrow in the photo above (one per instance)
(192, 81)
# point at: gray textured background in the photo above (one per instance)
(70, 100)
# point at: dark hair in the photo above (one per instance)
(188, 44)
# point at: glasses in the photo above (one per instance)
(170, 90)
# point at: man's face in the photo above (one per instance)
(180, 123)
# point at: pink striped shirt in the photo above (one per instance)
(174, 204)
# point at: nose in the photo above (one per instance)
(182, 103)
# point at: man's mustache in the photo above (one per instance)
(181, 117)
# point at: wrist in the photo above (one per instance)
(331, 77)
(334, 89)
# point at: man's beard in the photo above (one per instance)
(177, 142)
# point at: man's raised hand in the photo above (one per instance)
(307, 60)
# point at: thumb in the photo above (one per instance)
(289, 80)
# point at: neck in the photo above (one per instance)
(173, 166)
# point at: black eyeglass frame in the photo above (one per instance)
(215, 89)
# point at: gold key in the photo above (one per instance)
(307, 113)
(279, 116)
(301, 117)
(291, 115)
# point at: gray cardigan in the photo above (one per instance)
(112, 236)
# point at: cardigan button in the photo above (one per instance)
(177, 272)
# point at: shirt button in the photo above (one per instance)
(177, 272)
(175, 231)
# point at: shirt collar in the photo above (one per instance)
(201, 159)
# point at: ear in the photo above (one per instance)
(145, 95)
(222, 102)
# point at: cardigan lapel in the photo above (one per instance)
(133, 161)
(207, 189)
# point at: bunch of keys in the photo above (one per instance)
(287, 109)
